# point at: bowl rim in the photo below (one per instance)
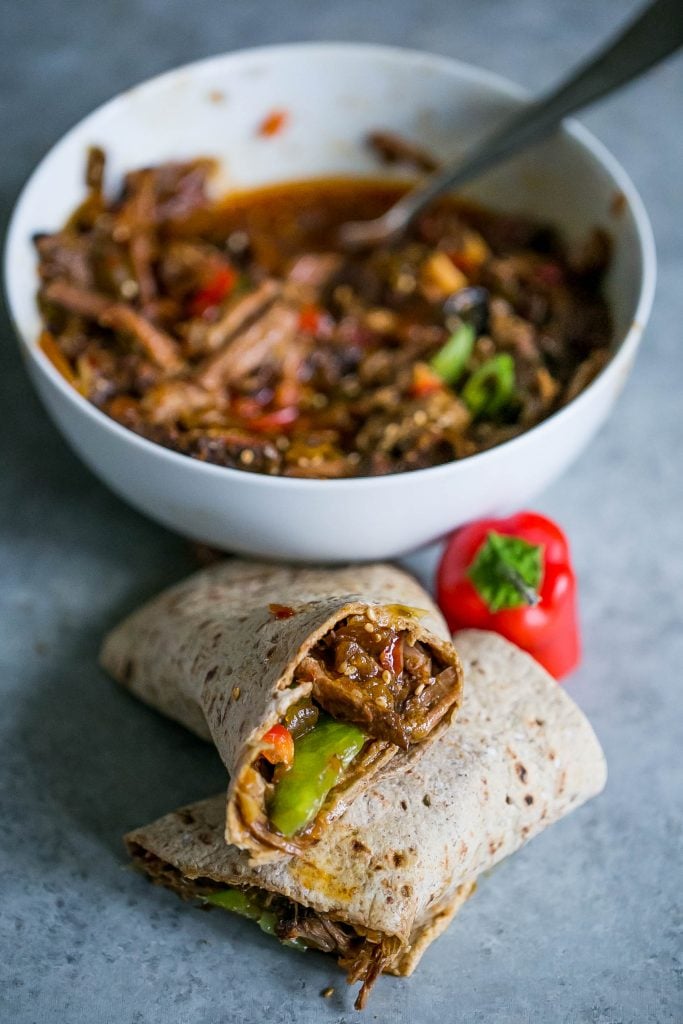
(499, 83)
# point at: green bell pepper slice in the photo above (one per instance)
(238, 901)
(320, 758)
(248, 905)
(491, 387)
(452, 358)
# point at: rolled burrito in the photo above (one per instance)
(387, 877)
(310, 682)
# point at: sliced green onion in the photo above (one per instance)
(452, 358)
(491, 387)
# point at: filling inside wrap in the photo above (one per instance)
(374, 687)
(364, 955)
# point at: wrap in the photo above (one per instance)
(388, 876)
(231, 651)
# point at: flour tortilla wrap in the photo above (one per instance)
(218, 654)
(398, 864)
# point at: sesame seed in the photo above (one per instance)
(350, 386)
(129, 288)
(405, 283)
(419, 689)
(238, 242)
(371, 614)
(236, 693)
(381, 320)
(420, 418)
(386, 676)
(369, 626)
(247, 456)
(327, 992)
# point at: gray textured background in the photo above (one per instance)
(583, 925)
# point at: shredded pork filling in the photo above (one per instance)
(363, 957)
(380, 678)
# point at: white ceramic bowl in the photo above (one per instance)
(335, 94)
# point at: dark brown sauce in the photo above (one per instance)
(290, 217)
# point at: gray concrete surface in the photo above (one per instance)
(583, 925)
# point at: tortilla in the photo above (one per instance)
(218, 653)
(407, 853)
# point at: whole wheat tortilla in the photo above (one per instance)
(408, 851)
(211, 654)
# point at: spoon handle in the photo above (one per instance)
(652, 36)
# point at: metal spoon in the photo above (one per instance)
(654, 34)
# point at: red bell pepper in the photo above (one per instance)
(279, 745)
(514, 576)
(213, 291)
(273, 123)
(425, 381)
(277, 419)
(310, 317)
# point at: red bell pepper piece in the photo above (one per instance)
(514, 576)
(213, 291)
(310, 317)
(425, 381)
(277, 419)
(279, 745)
(273, 123)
